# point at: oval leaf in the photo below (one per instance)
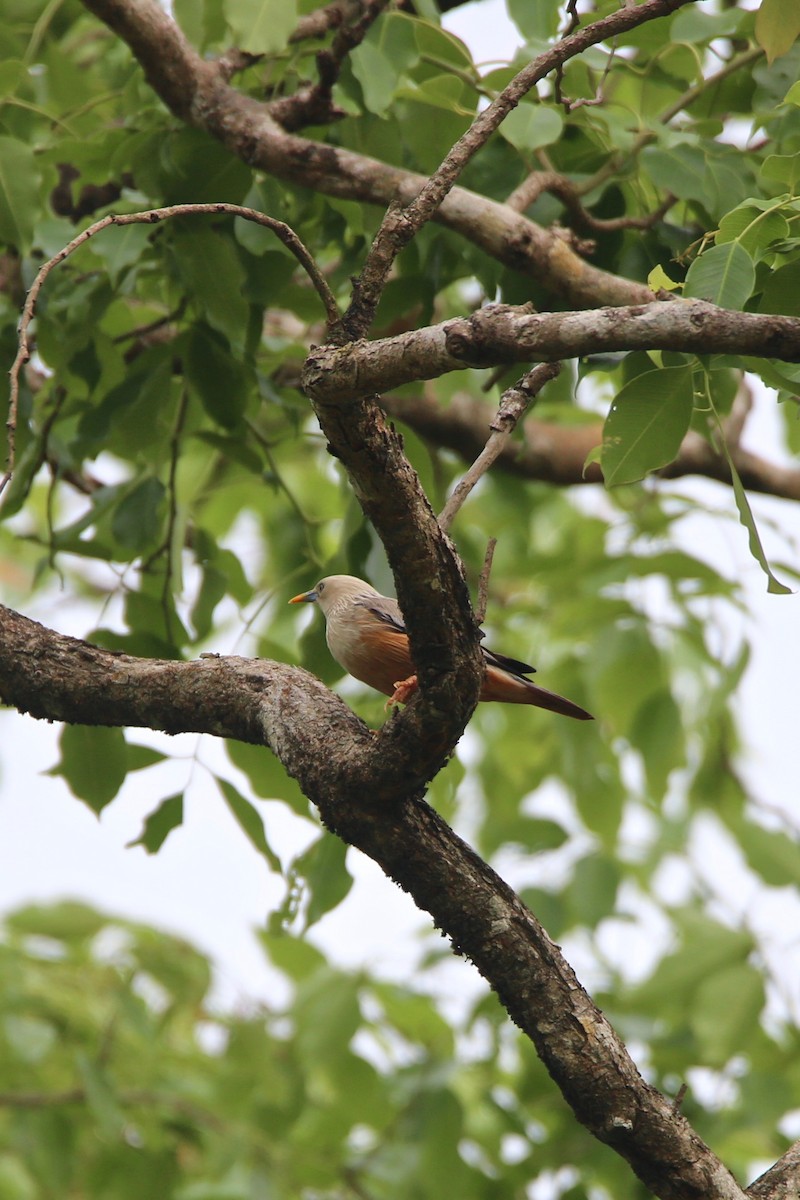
(724, 274)
(646, 424)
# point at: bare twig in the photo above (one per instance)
(558, 185)
(616, 161)
(332, 16)
(594, 101)
(483, 582)
(314, 105)
(514, 403)
(150, 216)
(400, 225)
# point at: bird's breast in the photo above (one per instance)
(368, 649)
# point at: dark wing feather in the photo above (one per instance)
(385, 609)
(512, 665)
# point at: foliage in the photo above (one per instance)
(169, 473)
(120, 1078)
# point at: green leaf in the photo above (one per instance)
(16, 1180)
(213, 277)
(12, 73)
(140, 757)
(327, 1014)
(100, 1097)
(324, 870)
(681, 169)
(747, 518)
(160, 823)
(783, 169)
(377, 75)
(658, 280)
(626, 670)
(592, 893)
(658, 734)
(293, 956)
(267, 776)
(261, 26)
(68, 921)
(707, 949)
(725, 274)
(139, 517)
(249, 821)
(216, 375)
(777, 26)
(30, 1038)
(646, 424)
(755, 225)
(771, 854)
(781, 294)
(94, 763)
(537, 20)
(726, 1010)
(20, 202)
(531, 126)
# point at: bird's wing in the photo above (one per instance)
(385, 609)
(512, 665)
(388, 611)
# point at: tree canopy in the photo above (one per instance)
(285, 271)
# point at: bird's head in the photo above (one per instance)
(333, 589)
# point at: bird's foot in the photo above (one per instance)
(403, 691)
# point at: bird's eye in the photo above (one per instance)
(320, 587)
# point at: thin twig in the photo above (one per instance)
(314, 105)
(617, 161)
(483, 582)
(514, 403)
(558, 185)
(151, 216)
(401, 224)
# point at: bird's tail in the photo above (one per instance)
(555, 703)
(511, 688)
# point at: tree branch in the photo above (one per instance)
(501, 333)
(198, 92)
(514, 403)
(342, 768)
(150, 216)
(556, 454)
(400, 225)
(313, 105)
(781, 1181)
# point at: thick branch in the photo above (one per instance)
(325, 747)
(781, 1181)
(501, 333)
(399, 226)
(198, 93)
(551, 453)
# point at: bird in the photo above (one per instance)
(366, 634)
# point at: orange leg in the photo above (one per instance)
(403, 691)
